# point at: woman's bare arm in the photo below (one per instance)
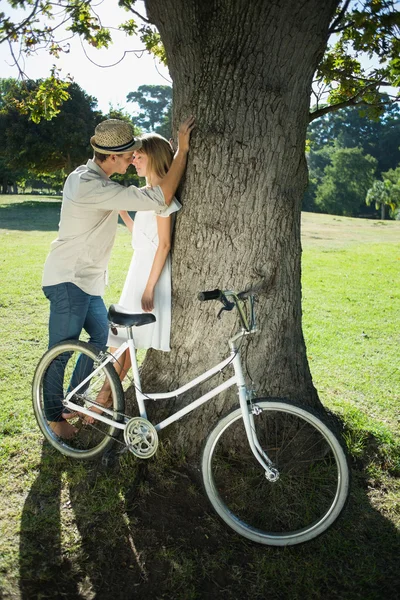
(164, 246)
(170, 182)
(127, 219)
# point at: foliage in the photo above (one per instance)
(393, 175)
(45, 147)
(368, 29)
(317, 161)
(351, 128)
(345, 182)
(384, 193)
(152, 41)
(155, 103)
(38, 30)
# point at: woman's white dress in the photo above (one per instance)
(145, 243)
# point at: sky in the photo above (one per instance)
(109, 85)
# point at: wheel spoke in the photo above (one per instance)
(62, 369)
(313, 475)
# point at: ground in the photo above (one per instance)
(131, 530)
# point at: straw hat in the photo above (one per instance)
(114, 137)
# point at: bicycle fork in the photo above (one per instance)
(250, 410)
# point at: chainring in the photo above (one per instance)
(141, 437)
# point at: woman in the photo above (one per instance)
(148, 283)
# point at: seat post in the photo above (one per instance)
(135, 373)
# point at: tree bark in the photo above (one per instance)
(244, 69)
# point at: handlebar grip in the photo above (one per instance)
(209, 295)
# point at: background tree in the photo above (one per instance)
(386, 193)
(44, 153)
(350, 128)
(393, 175)
(48, 146)
(345, 182)
(154, 103)
(249, 84)
(380, 195)
(317, 161)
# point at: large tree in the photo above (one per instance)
(245, 70)
(248, 82)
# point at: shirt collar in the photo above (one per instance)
(95, 167)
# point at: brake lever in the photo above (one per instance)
(226, 306)
(220, 312)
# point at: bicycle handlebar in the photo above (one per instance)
(248, 322)
(209, 295)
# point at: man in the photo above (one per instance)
(75, 270)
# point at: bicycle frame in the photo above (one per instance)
(237, 379)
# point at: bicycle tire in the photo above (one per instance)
(90, 440)
(314, 479)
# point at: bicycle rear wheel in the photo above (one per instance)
(313, 482)
(58, 370)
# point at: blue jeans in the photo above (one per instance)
(71, 310)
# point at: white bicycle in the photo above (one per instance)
(274, 471)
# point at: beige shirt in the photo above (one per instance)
(88, 224)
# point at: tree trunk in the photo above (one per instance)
(382, 211)
(244, 69)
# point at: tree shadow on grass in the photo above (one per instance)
(30, 216)
(73, 538)
(199, 557)
(147, 531)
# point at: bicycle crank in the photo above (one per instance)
(141, 437)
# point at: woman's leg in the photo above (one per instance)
(121, 366)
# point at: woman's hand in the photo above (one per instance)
(148, 300)
(184, 132)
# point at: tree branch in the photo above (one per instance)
(137, 52)
(135, 12)
(16, 63)
(316, 114)
(21, 25)
(334, 27)
(368, 80)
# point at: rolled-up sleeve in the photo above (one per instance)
(110, 195)
(172, 208)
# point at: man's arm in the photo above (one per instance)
(171, 180)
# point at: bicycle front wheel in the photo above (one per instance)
(313, 482)
(61, 369)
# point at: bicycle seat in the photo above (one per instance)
(117, 315)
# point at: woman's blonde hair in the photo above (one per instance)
(159, 153)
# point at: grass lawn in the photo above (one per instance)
(80, 531)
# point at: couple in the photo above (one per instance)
(75, 270)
